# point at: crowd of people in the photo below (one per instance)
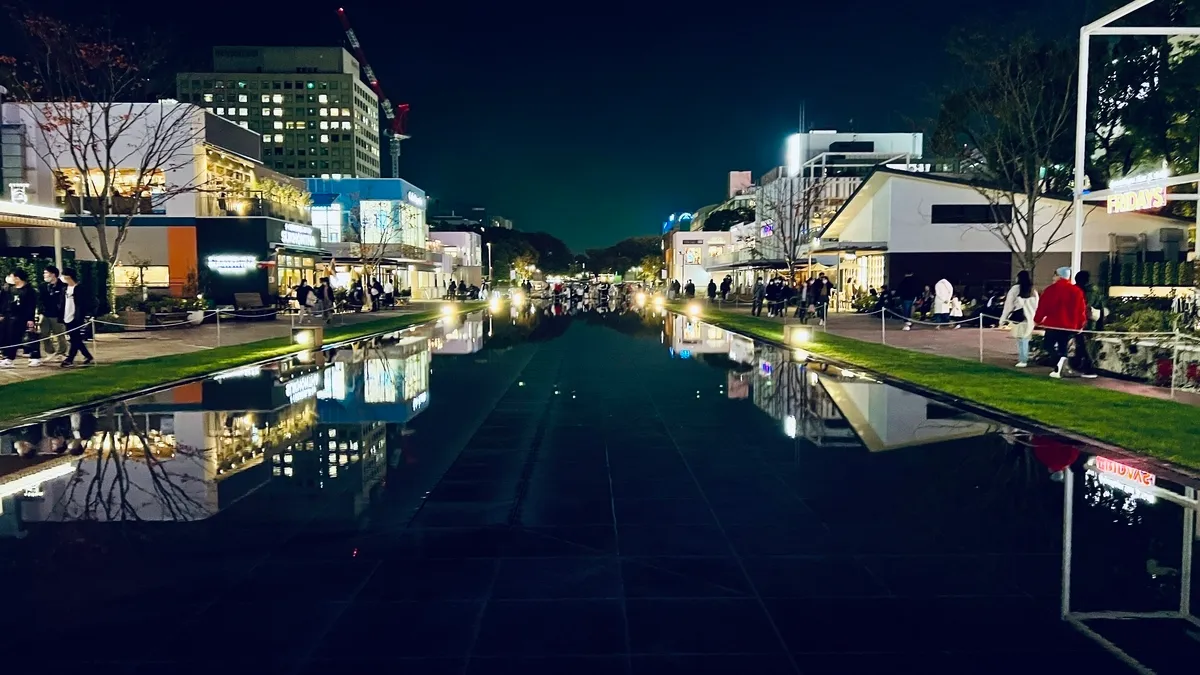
(53, 318)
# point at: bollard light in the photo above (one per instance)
(494, 304)
(641, 299)
(447, 309)
(311, 337)
(658, 302)
(797, 334)
(693, 309)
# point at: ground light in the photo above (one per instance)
(693, 309)
(447, 309)
(494, 304)
(518, 298)
(641, 299)
(797, 334)
(311, 337)
(658, 302)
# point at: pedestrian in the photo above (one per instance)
(78, 305)
(956, 311)
(689, 291)
(908, 290)
(726, 285)
(1063, 312)
(943, 293)
(822, 292)
(19, 316)
(712, 290)
(50, 299)
(1082, 362)
(324, 303)
(759, 294)
(304, 294)
(1020, 306)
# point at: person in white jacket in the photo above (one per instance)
(943, 293)
(1020, 306)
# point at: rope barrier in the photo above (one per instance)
(42, 339)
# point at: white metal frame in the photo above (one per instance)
(1102, 26)
(1188, 501)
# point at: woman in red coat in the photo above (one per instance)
(1063, 312)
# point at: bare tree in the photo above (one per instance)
(792, 211)
(375, 236)
(1014, 117)
(112, 158)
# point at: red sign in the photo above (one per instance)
(1127, 473)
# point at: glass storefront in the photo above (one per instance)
(290, 268)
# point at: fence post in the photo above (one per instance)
(218, 326)
(882, 326)
(1174, 356)
(981, 338)
(93, 320)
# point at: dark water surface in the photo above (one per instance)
(588, 494)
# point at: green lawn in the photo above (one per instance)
(1155, 427)
(90, 384)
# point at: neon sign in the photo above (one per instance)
(1138, 200)
(416, 200)
(298, 235)
(231, 264)
(303, 387)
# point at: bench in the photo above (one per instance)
(250, 306)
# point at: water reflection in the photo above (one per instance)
(915, 493)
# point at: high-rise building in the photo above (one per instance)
(317, 118)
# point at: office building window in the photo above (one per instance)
(323, 98)
(345, 112)
(195, 84)
(278, 112)
(266, 98)
(324, 112)
(221, 111)
(278, 138)
(243, 112)
(208, 98)
(311, 85)
(333, 85)
(244, 125)
(242, 98)
(266, 112)
(277, 124)
(324, 124)
(346, 125)
(324, 138)
(277, 98)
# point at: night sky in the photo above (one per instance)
(593, 121)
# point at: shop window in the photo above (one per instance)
(132, 276)
(691, 256)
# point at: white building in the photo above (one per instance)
(689, 255)
(465, 249)
(938, 226)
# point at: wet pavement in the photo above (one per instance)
(595, 493)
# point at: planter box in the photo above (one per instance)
(134, 320)
(1139, 358)
(170, 318)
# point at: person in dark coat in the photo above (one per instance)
(78, 305)
(19, 318)
(50, 297)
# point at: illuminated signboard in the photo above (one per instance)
(298, 235)
(415, 199)
(1138, 200)
(305, 386)
(1125, 473)
(231, 264)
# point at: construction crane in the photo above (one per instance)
(397, 116)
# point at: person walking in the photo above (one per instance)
(943, 293)
(712, 290)
(304, 294)
(50, 298)
(324, 304)
(689, 291)
(78, 305)
(1020, 306)
(1082, 362)
(726, 286)
(19, 316)
(1063, 312)
(760, 294)
(908, 290)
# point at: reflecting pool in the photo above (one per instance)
(557, 489)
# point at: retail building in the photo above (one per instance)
(465, 251)
(210, 217)
(317, 118)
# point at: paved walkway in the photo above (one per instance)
(998, 348)
(114, 347)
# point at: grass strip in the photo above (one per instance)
(1150, 426)
(84, 385)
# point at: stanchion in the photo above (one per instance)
(981, 338)
(218, 327)
(1174, 357)
(882, 326)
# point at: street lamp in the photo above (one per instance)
(1101, 26)
(491, 279)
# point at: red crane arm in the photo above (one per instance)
(397, 122)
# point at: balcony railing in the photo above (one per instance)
(118, 205)
(210, 205)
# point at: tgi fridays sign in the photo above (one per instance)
(1140, 195)
(1128, 474)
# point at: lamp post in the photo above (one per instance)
(491, 280)
(1100, 26)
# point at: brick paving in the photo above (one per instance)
(998, 347)
(114, 347)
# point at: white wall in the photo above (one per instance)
(682, 272)
(467, 244)
(184, 135)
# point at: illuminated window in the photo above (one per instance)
(333, 112)
(242, 98)
(345, 112)
(324, 124)
(324, 138)
(244, 125)
(211, 111)
(287, 471)
(325, 176)
(277, 124)
(220, 111)
(208, 98)
(346, 125)
(277, 98)
(324, 112)
(278, 138)
(266, 112)
(278, 112)
(266, 98)
(323, 98)
(242, 112)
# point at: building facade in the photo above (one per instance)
(315, 115)
(465, 250)
(209, 213)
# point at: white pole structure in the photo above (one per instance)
(1100, 27)
(1068, 524)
